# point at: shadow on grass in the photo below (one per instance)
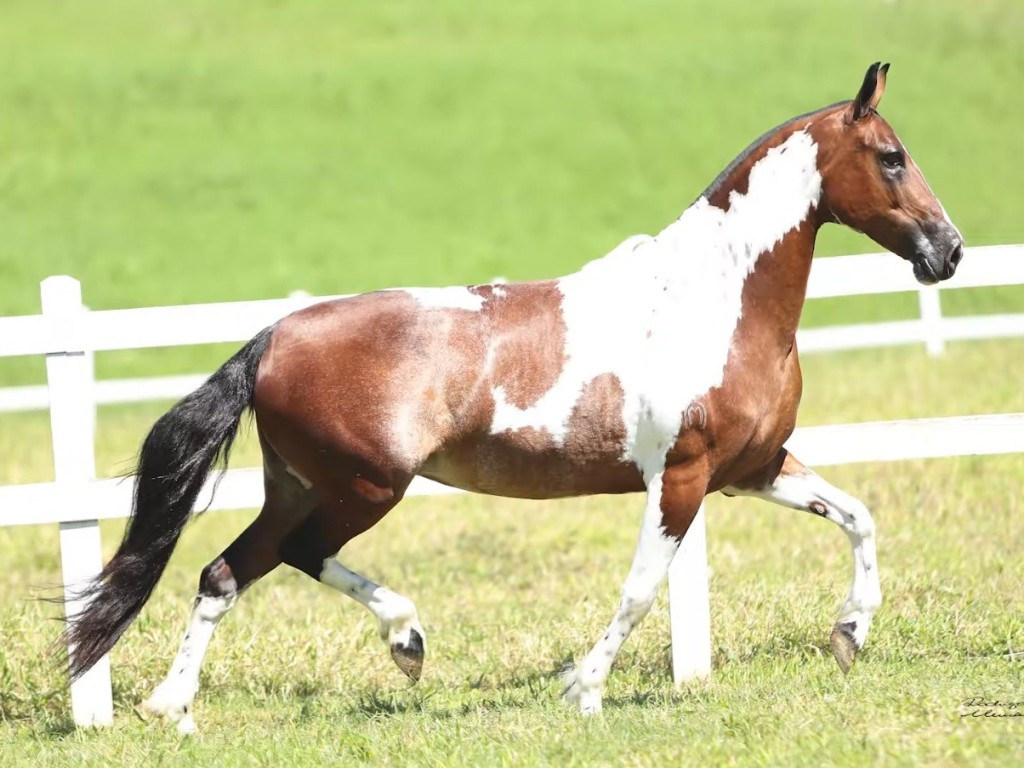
(780, 647)
(46, 710)
(43, 722)
(447, 700)
(372, 703)
(59, 728)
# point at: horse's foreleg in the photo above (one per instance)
(796, 486)
(399, 624)
(673, 498)
(311, 549)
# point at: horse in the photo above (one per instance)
(668, 366)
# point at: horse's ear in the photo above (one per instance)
(871, 91)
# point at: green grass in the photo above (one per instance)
(173, 153)
(509, 591)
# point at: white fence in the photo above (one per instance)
(865, 274)
(67, 334)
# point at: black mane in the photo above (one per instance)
(714, 186)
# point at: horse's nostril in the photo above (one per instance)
(956, 254)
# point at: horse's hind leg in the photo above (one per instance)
(791, 484)
(311, 548)
(251, 556)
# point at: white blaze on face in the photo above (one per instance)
(659, 313)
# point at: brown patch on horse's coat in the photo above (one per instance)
(782, 464)
(595, 427)
(528, 340)
(371, 491)
(533, 439)
(318, 389)
(528, 463)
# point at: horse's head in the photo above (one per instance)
(870, 183)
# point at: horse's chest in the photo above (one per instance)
(752, 415)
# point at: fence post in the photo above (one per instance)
(689, 607)
(931, 315)
(69, 378)
(90, 367)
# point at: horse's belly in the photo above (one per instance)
(527, 464)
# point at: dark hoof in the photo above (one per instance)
(844, 647)
(409, 657)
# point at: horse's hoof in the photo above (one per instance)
(575, 694)
(409, 656)
(844, 647)
(160, 704)
(164, 703)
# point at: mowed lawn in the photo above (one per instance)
(181, 152)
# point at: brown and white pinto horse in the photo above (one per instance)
(668, 366)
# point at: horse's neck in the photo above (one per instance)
(699, 276)
(774, 292)
(761, 228)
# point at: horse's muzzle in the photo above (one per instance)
(938, 253)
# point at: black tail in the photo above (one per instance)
(176, 458)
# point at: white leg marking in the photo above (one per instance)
(395, 613)
(174, 696)
(654, 553)
(808, 491)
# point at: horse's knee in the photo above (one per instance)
(859, 519)
(635, 604)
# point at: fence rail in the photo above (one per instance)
(67, 334)
(191, 324)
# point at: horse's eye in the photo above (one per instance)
(893, 160)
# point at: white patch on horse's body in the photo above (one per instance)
(450, 297)
(659, 313)
(174, 696)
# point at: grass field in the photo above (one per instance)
(510, 590)
(169, 153)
